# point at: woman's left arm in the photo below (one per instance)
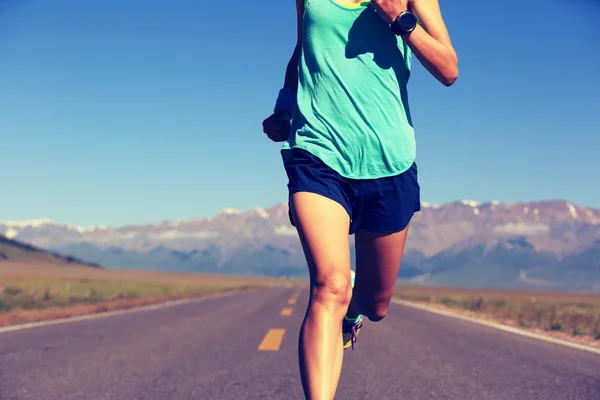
(430, 40)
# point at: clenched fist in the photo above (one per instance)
(278, 126)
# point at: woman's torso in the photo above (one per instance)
(353, 108)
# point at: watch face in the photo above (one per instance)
(408, 21)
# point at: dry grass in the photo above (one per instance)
(36, 292)
(559, 313)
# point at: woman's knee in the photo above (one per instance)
(374, 307)
(377, 313)
(332, 288)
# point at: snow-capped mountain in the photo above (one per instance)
(259, 240)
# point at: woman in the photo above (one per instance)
(349, 154)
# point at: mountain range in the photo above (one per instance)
(547, 244)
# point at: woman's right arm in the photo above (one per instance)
(277, 126)
(291, 72)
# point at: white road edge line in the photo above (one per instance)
(116, 312)
(498, 326)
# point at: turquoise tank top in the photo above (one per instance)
(352, 105)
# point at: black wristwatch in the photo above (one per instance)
(406, 22)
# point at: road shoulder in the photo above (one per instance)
(478, 319)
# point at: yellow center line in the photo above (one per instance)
(294, 297)
(286, 312)
(272, 340)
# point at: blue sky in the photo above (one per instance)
(124, 112)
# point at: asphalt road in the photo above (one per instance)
(242, 347)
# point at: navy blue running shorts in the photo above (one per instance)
(383, 205)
